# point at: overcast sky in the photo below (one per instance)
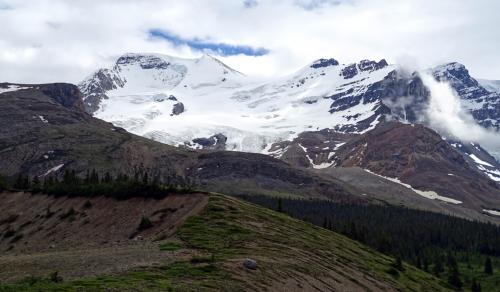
(65, 40)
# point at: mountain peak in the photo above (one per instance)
(456, 73)
(321, 63)
(146, 61)
(209, 59)
(450, 67)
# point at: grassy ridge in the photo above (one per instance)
(289, 253)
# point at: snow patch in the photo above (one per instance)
(323, 165)
(479, 161)
(427, 194)
(316, 166)
(53, 169)
(492, 212)
(43, 120)
(12, 88)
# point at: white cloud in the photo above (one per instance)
(447, 115)
(64, 40)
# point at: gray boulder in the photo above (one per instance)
(250, 264)
(177, 109)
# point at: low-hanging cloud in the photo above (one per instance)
(447, 115)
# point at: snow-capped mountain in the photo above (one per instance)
(180, 101)
(303, 118)
(202, 103)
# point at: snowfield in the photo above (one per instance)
(217, 99)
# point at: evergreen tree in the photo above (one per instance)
(450, 261)
(107, 178)
(419, 263)
(398, 264)
(3, 183)
(48, 181)
(87, 177)
(454, 278)
(488, 267)
(476, 286)
(36, 184)
(26, 183)
(156, 181)
(425, 265)
(353, 232)
(18, 183)
(69, 177)
(22, 182)
(280, 205)
(94, 177)
(438, 267)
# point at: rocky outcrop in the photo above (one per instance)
(368, 65)
(311, 149)
(68, 95)
(177, 109)
(215, 142)
(405, 96)
(351, 70)
(95, 87)
(321, 63)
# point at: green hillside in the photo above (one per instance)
(290, 255)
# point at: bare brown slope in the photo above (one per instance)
(80, 237)
(420, 157)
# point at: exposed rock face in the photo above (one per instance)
(145, 61)
(368, 65)
(398, 96)
(364, 66)
(314, 149)
(94, 88)
(65, 94)
(324, 63)
(350, 71)
(215, 142)
(405, 96)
